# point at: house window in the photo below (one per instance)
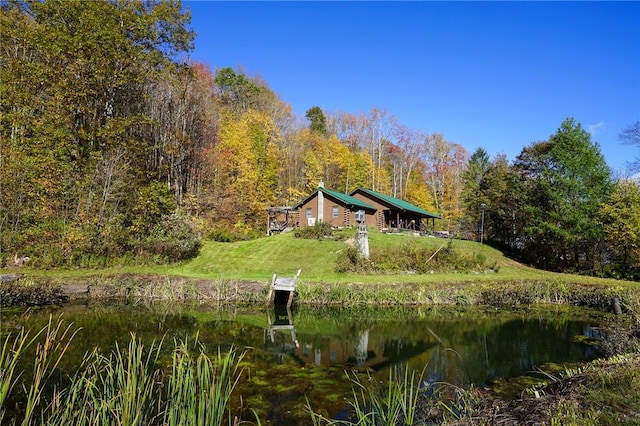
(308, 212)
(335, 211)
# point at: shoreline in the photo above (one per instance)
(30, 291)
(556, 399)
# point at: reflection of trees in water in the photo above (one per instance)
(452, 346)
(461, 355)
(431, 358)
(445, 364)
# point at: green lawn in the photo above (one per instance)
(284, 254)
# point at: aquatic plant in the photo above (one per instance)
(48, 354)
(27, 292)
(199, 388)
(12, 349)
(378, 403)
(122, 385)
(129, 384)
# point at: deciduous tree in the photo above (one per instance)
(621, 219)
(445, 163)
(631, 136)
(73, 79)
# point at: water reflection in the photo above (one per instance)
(280, 320)
(302, 354)
(462, 350)
(452, 345)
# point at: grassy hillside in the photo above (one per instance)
(259, 259)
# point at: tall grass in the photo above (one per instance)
(122, 386)
(12, 349)
(48, 354)
(390, 403)
(131, 386)
(199, 388)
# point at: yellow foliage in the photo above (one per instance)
(247, 161)
(419, 195)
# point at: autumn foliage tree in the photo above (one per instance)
(621, 221)
(114, 147)
(75, 77)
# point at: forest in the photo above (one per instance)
(115, 147)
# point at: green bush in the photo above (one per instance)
(223, 235)
(350, 260)
(414, 257)
(115, 237)
(318, 231)
(172, 239)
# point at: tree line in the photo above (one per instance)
(557, 206)
(115, 146)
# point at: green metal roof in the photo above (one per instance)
(396, 202)
(344, 198)
(348, 199)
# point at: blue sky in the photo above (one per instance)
(497, 75)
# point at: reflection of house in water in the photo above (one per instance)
(361, 347)
(362, 350)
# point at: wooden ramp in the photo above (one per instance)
(283, 288)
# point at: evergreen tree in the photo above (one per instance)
(317, 119)
(472, 196)
(567, 180)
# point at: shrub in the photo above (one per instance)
(318, 231)
(172, 239)
(223, 235)
(153, 203)
(413, 257)
(350, 260)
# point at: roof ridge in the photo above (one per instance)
(347, 198)
(398, 202)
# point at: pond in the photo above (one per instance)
(297, 356)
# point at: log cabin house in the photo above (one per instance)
(393, 214)
(387, 214)
(334, 208)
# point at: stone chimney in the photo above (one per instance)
(320, 201)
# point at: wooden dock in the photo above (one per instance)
(283, 288)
